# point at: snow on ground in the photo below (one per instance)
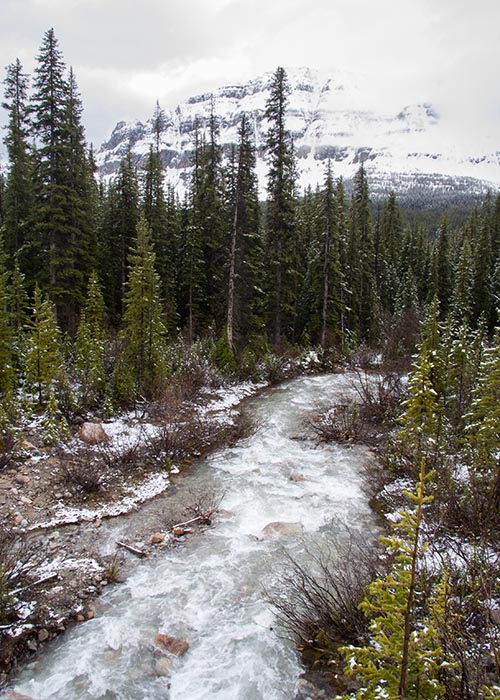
(128, 430)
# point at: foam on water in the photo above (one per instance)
(211, 591)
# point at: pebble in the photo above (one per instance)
(25, 499)
(80, 617)
(32, 645)
(22, 479)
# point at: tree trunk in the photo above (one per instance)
(230, 295)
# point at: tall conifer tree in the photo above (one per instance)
(18, 195)
(142, 367)
(280, 208)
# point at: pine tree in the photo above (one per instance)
(421, 432)
(330, 311)
(54, 425)
(193, 272)
(118, 229)
(364, 306)
(7, 372)
(158, 216)
(389, 253)
(442, 280)
(482, 271)
(142, 368)
(461, 305)
(310, 267)
(402, 657)
(90, 345)
(44, 362)
(483, 432)
(280, 251)
(62, 218)
(244, 296)
(18, 195)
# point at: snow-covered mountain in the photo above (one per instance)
(410, 150)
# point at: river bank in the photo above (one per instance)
(299, 478)
(66, 539)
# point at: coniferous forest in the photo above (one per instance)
(105, 286)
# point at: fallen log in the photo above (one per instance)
(132, 550)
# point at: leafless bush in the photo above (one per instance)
(179, 438)
(123, 457)
(317, 602)
(469, 626)
(204, 503)
(183, 433)
(379, 395)
(83, 474)
(8, 444)
(400, 334)
(336, 424)
(17, 560)
(200, 505)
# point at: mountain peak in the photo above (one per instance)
(330, 117)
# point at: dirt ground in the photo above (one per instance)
(66, 538)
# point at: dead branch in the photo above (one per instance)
(45, 579)
(133, 550)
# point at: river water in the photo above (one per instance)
(210, 592)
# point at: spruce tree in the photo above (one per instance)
(330, 306)
(142, 368)
(442, 278)
(61, 218)
(483, 433)
(7, 372)
(118, 230)
(461, 305)
(90, 345)
(17, 206)
(44, 365)
(401, 659)
(387, 268)
(482, 272)
(244, 295)
(157, 215)
(281, 254)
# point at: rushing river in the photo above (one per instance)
(210, 592)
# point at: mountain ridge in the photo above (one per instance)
(329, 117)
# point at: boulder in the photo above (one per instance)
(43, 635)
(175, 645)
(13, 695)
(93, 434)
(163, 666)
(278, 529)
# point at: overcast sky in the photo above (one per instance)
(126, 54)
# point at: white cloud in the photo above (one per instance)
(127, 54)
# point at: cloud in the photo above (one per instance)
(127, 54)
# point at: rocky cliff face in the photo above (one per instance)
(329, 119)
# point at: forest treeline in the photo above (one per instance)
(101, 283)
(99, 277)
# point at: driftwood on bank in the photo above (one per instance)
(132, 550)
(45, 579)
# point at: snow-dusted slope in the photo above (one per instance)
(329, 117)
